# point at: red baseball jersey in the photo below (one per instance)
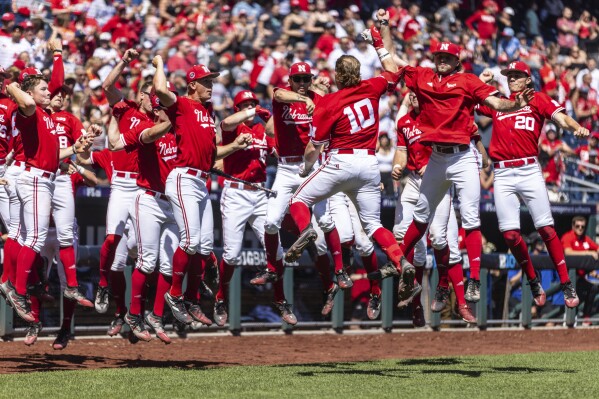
(292, 125)
(104, 160)
(349, 118)
(128, 114)
(7, 108)
(38, 137)
(573, 241)
(446, 103)
(195, 133)
(408, 137)
(68, 128)
(516, 134)
(155, 159)
(250, 163)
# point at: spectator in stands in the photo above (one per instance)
(411, 26)
(352, 24)
(180, 60)
(106, 54)
(294, 24)
(552, 155)
(11, 47)
(532, 23)
(588, 154)
(567, 36)
(509, 45)
(591, 69)
(585, 103)
(504, 20)
(445, 17)
(483, 24)
(366, 54)
(577, 243)
(588, 33)
(327, 42)
(8, 21)
(318, 21)
(343, 48)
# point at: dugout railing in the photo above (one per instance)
(88, 322)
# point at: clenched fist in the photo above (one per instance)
(263, 113)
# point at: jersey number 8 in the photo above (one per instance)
(358, 110)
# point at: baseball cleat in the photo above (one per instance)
(473, 290)
(329, 301)
(62, 339)
(287, 315)
(5, 289)
(155, 323)
(20, 304)
(343, 279)
(538, 294)
(177, 306)
(220, 313)
(211, 274)
(383, 272)
(374, 307)
(440, 300)
(205, 291)
(137, 326)
(73, 294)
(570, 297)
(116, 325)
(306, 237)
(33, 330)
(101, 301)
(408, 287)
(418, 319)
(265, 277)
(466, 314)
(195, 311)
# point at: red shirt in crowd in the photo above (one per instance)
(485, 24)
(250, 163)
(446, 103)
(408, 137)
(555, 166)
(38, 137)
(409, 28)
(292, 125)
(516, 134)
(195, 133)
(349, 118)
(589, 155)
(326, 43)
(576, 243)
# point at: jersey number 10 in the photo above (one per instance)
(358, 110)
(525, 123)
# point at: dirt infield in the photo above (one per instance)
(291, 349)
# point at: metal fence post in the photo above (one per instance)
(571, 313)
(338, 312)
(481, 306)
(6, 319)
(526, 314)
(387, 305)
(235, 302)
(288, 289)
(435, 321)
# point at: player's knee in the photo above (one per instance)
(512, 237)
(147, 264)
(547, 232)
(120, 261)
(188, 249)
(271, 228)
(438, 242)
(166, 268)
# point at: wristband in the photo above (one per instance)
(384, 22)
(73, 148)
(125, 62)
(250, 112)
(57, 51)
(397, 166)
(80, 169)
(383, 54)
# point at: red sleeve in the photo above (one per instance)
(472, 19)
(567, 240)
(410, 74)
(592, 244)
(57, 78)
(547, 106)
(101, 159)
(484, 110)
(132, 138)
(479, 90)
(322, 124)
(119, 109)
(78, 129)
(171, 111)
(110, 25)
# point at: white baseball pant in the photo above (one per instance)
(156, 232)
(51, 252)
(238, 207)
(127, 247)
(122, 194)
(527, 183)
(35, 193)
(63, 209)
(363, 243)
(4, 202)
(14, 226)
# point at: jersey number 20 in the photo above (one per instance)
(358, 110)
(525, 123)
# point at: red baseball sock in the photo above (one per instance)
(194, 276)
(67, 257)
(107, 253)
(118, 285)
(442, 260)
(26, 260)
(280, 268)
(210, 261)
(410, 256)
(474, 248)
(385, 239)
(300, 214)
(456, 275)
(279, 292)
(413, 235)
(288, 224)
(8, 268)
(138, 283)
(370, 263)
(271, 244)
(556, 252)
(519, 249)
(334, 244)
(226, 272)
(323, 266)
(180, 261)
(162, 287)
(419, 274)
(14, 258)
(68, 309)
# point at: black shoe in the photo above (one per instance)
(343, 280)
(329, 300)
(220, 313)
(62, 339)
(473, 291)
(538, 294)
(116, 325)
(265, 277)
(177, 306)
(136, 323)
(306, 237)
(205, 291)
(383, 272)
(570, 297)
(287, 315)
(374, 307)
(440, 300)
(407, 288)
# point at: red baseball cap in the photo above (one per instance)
(300, 68)
(516, 66)
(171, 87)
(8, 16)
(24, 11)
(449, 48)
(26, 25)
(155, 101)
(29, 72)
(244, 95)
(197, 72)
(595, 135)
(295, 3)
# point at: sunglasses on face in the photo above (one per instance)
(302, 79)
(579, 226)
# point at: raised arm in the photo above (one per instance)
(566, 122)
(57, 77)
(504, 105)
(113, 94)
(166, 97)
(383, 44)
(24, 101)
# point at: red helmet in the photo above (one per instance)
(242, 96)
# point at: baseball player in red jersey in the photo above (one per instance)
(414, 156)
(192, 118)
(152, 216)
(514, 150)
(35, 184)
(7, 107)
(241, 203)
(123, 186)
(447, 99)
(12, 245)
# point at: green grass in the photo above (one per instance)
(542, 375)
